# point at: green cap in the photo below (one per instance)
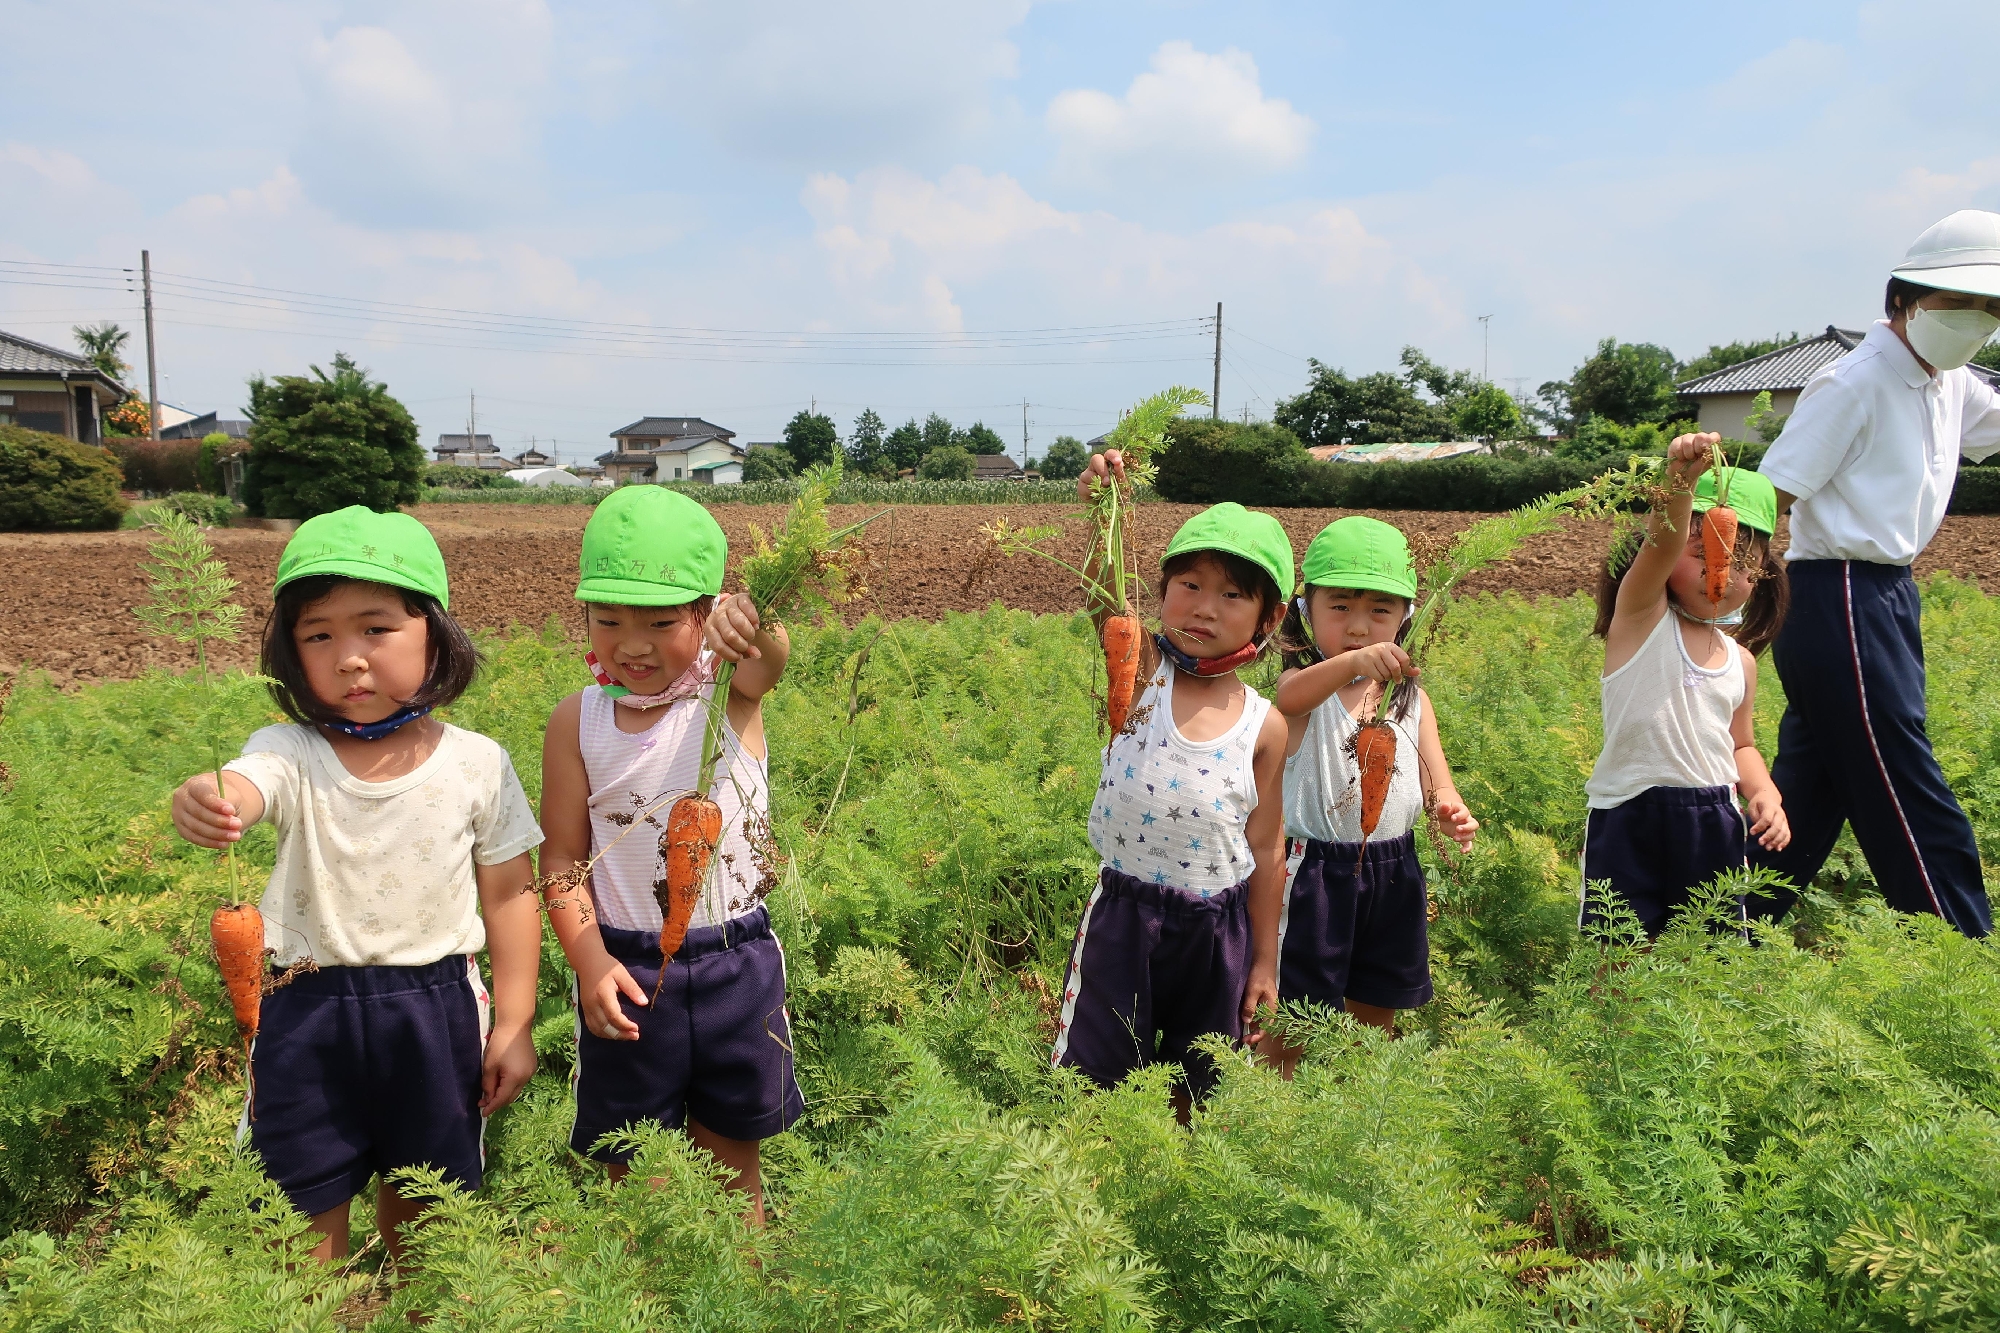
(649, 546)
(1362, 553)
(358, 543)
(1751, 495)
(1230, 527)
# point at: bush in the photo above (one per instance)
(157, 467)
(210, 511)
(215, 447)
(769, 462)
(949, 463)
(49, 482)
(1207, 461)
(322, 443)
(453, 477)
(1066, 459)
(1977, 491)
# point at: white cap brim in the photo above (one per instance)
(1982, 279)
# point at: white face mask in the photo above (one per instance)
(1949, 338)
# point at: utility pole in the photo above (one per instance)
(152, 366)
(472, 424)
(1215, 398)
(1024, 432)
(1486, 350)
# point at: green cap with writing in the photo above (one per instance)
(358, 543)
(649, 546)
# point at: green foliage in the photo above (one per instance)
(1381, 408)
(157, 466)
(1762, 422)
(1065, 460)
(768, 462)
(457, 477)
(215, 447)
(1488, 412)
(104, 344)
(852, 490)
(1977, 491)
(812, 440)
(48, 482)
(1207, 461)
(904, 446)
(322, 443)
(1601, 438)
(1988, 356)
(1624, 382)
(867, 447)
(1721, 356)
(980, 438)
(1582, 1134)
(210, 511)
(949, 462)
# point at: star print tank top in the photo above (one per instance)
(1171, 811)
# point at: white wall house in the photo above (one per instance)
(669, 449)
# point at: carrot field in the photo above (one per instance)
(1797, 1133)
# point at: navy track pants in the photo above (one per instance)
(1852, 747)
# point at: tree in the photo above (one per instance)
(768, 462)
(811, 439)
(1374, 409)
(1487, 412)
(1721, 356)
(905, 445)
(940, 434)
(865, 447)
(1446, 386)
(324, 442)
(980, 438)
(1066, 458)
(1988, 356)
(1625, 382)
(215, 447)
(950, 462)
(104, 344)
(1207, 460)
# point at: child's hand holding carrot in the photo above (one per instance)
(1102, 467)
(732, 628)
(1687, 458)
(207, 818)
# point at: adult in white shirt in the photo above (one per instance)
(1866, 464)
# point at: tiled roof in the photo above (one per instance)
(451, 444)
(1787, 368)
(990, 467)
(20, 354)
(673, 427)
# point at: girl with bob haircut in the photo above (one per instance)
(1679, 695)
(1180, 936)
(403, 850)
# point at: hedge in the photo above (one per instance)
(49, 482)
(1977, 491)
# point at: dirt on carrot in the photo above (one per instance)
(1121, 662)
(1718, 549)
(1375, 762)
(694, 831)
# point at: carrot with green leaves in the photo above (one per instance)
(1718, 533)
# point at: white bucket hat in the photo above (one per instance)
(1959, 254)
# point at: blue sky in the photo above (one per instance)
(1345, 178)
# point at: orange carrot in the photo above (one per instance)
(1375, 758)
(694, 831)
(1121, 661)
(237, 931)
(1718, 548)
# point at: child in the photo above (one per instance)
(1355, 932)
(396, 833)
(1180, 936)
(710, 1051)
(1679, 697)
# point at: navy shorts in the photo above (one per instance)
(1657, 847)
(365, 1070)
(1153, 969)
(1356, 924)
(715, 1043)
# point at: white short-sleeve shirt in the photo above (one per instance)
(1872, 449)
(381, 873)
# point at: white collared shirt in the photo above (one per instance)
(1871, 452)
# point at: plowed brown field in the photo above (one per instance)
(67, 606)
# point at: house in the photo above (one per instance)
(995, 467)
(472, 451)
(673, 449)
(531, 457)
(1724, 397)
(200, 427)
(44, 388)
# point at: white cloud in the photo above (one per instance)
(1191, 111)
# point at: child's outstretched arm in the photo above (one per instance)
(1766, 803)
(514, 943)
(1642, 594)
(600, 978)
(207, 819)
(1441, 796)
(1265, 833)
(1305, 688)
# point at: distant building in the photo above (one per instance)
(996, 467)
(1724, 398)
(476, 451)
(673, 449)
(47, 389)
(196, 428)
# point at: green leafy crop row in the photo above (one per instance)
(1795, 1134)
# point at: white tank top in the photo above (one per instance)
(1172, 811)
(1666, 720)
(630, 773)
(1323, 789)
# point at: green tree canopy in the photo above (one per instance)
(1487, 412)
(950, 462)
(811, 439)
(1066, 458)
(1988, 356)
(940, 433)
(866, 448)
(1721, 356)
(768, 462)
(1625, 382)
(104, 344)
(323, 442)
(1374, 409)
(905, 445)
(980, 438)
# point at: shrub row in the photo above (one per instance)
(853, 491)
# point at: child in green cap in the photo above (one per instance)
(1180, 936)
(1679, 697)
(1355, 934)
(707, 1047)
(403, 850)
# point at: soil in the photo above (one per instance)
(68, 608)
